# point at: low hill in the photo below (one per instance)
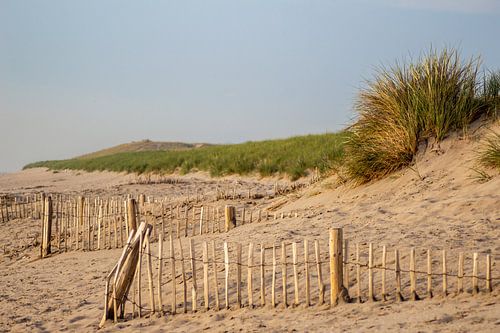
(143, 145)
(292, 156)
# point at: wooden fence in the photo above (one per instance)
(203, 276)
(89, 225)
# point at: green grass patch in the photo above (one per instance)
(409, 102)
(293, 157)
(489, 153)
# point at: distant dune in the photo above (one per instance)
(144, 145)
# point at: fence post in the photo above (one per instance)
(131, 214)
(47, 227)
(337, 291)
(230, 217)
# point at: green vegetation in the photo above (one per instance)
(292, 156)
(407, 103)
(491, 92)
(489, 154)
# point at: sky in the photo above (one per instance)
(78, 76)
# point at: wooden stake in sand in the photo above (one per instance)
(295, 274)
(345, 257)
(306, 272)
(238, 274)
(283, 274)
(384, 269)
(216, 283)
(172, 269)
(337, 291)
(489, 287)
(160, 266)
(249, 275)
(413, 277)
(273, 282)
(475, 288)
(445, 275)
(150, 275)
(226, 275)
(262, 276)
(321, 286)
(460, 275)
(230, 217)
(206, 289)
(429, 273)
(47, 227)
(397, 269)
(183, 273)
(371, 296)
(194, 287)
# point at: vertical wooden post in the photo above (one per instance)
(226, 275)
(216, 283)
(131, 214)
(150, 274)
(321, 286)
(273, 281)
(183, 273)
(337, 290)
(284, 274)
(262, 275)
(345, 256)
(489, 287)
(413, 277)
(160, 267)
(371, 296)
(295, 274)
(384, 269)
(249, 275)
(201, 220)
(397, 269)
(445, 275)
(306, 272)
(172, 269)
(206, 289)
(238, 274)
(139, 267)
(475, 288)
(429, 273)
(230, 217)
(194, 287)
(460, 274)
(358, 274)
(47, 227)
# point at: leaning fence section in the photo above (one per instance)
(186, 275)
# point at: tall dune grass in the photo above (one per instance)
(489, 154)
(406, 103)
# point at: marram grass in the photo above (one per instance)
(406, 103)
(489, 153)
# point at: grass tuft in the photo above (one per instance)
(489, 153)
(406, 103)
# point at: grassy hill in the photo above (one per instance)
(293, 156)
(144, 145)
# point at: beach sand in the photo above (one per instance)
(436, 205)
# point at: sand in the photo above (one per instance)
(437, 205)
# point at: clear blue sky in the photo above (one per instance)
(77, 76)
